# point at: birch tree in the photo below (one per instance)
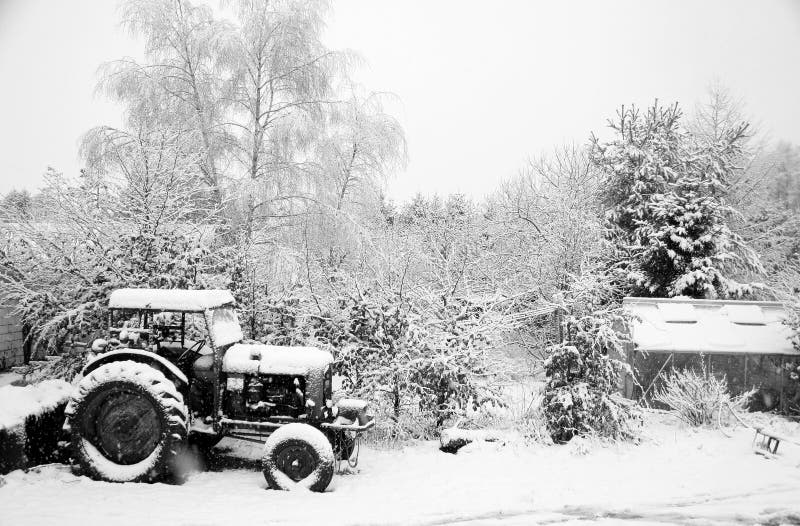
(181, 84)
(281, 88)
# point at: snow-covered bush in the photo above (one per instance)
(698, 398)
(413, 423)
(524, 412)
(521, 414)
(383, 350)
(66, 367)
(664, 191)
(582, 392)
(91, 235)
(274, 319)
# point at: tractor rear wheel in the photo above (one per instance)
(128, 423)
(298, 454)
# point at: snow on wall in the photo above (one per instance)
(11, 339)
(272, 359)
(170, 299)
(17, 403)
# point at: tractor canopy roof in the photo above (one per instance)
(173, 300)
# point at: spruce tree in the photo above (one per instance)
(666, 216)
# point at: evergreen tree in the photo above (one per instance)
(664, 191)
(582, 394)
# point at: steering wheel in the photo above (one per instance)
(194, 349)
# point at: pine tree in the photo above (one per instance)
(581, 394)
(664, 192)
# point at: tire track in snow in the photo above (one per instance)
(680, 512)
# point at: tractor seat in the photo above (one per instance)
(203, 368)
(172, 347)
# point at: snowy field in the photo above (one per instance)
(676, 476)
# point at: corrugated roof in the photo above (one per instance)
(709, 326)
(176, 300)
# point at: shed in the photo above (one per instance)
(747, 342)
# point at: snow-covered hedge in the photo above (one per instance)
(31, 418)
(416, 374)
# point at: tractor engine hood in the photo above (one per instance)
(247, 358)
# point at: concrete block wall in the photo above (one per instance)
(11, 340)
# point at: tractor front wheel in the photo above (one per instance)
(298, 454)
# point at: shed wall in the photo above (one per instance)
(743, 373)
(12, 340)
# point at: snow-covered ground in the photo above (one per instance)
(676, 476)
(7, 378)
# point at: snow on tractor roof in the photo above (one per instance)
(684, 325)
(175, 300)
(272, 359)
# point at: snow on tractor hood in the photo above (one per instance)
(250, 358)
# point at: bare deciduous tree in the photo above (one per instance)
(181, 84)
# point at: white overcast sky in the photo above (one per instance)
(482, 85)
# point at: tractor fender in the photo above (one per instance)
(137, 355)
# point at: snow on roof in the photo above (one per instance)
(272, 359)
(709, 326)
(177, 300)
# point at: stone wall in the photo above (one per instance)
(12, 341)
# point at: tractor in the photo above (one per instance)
(174, 371)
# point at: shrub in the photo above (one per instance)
(139, 226)
(527, 415)
(581, 395)
(698, 398)
(520, 415)
(384, 350)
